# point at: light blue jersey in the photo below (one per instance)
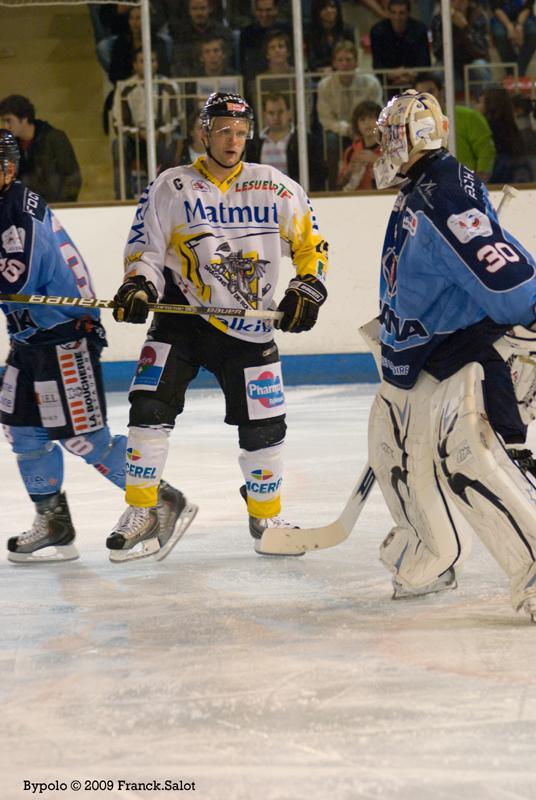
(446, 265)
(38, 257)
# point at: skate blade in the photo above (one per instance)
(142, 550)
(183, 522)
(400, 593)
(66, 552)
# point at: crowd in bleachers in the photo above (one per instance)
(246, 46)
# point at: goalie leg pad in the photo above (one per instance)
(518, 350)
(493, 494)
(429, 535)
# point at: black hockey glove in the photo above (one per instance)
(300, 305)
(132, 298)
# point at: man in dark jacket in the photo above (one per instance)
(48, 163)
(277, 143)
(399, 42)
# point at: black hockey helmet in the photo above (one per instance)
(9, 150)
(225, 104)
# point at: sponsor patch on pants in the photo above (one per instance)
(80, 386)
(9, 390)
(264, 391)
(48, 397)
(150, 366)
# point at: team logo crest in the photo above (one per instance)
(469, 224)
(200, 186)
(241, 273)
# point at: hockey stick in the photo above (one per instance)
(161, 308)
(292, 541)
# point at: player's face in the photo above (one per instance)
(227, 140)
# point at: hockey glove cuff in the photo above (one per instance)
(132, 299)
(300, 305)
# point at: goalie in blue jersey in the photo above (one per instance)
(52, 389)
(458, 380)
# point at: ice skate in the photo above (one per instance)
(442, 584)
(529, 607)
(257, 527)
(135, 535)
(175, 515)
(524, 459)
(50, 538)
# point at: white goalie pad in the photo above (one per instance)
(518, 349)
(493, 494)
(430, 535)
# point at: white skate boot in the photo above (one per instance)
(50, 538)
(257, 527)
(175, 515)
(445, 581)
(135, 535)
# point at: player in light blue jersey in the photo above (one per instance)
(52, 387)
(457, 387)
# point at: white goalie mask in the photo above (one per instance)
(409, 123)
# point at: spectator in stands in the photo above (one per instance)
(326, 29)
(279, 75)
(399, 43)
(252, 57)
(130, 121)
(184, 150)
(474, 141)
(511, 163)
(214, 62)
(513, 28)
(48, 164)
(359, 158)
(277, 143)
(189, 30)
(127, 43)
(523, 108)
(469, 41)
(338, 94)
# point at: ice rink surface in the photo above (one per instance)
(258, 678)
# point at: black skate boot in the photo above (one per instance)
(175, 514)
(524, 459)
(257, 526)
(52, 528)
(136, 526)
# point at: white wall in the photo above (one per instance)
(354, 226)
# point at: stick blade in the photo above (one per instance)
(292, 541)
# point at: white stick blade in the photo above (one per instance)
(292, 541)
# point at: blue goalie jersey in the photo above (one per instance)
(446, 265)
(38, 257)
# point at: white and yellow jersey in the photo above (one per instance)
(223, 241)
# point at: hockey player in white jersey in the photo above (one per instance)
(458, 380)
(213, 233)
